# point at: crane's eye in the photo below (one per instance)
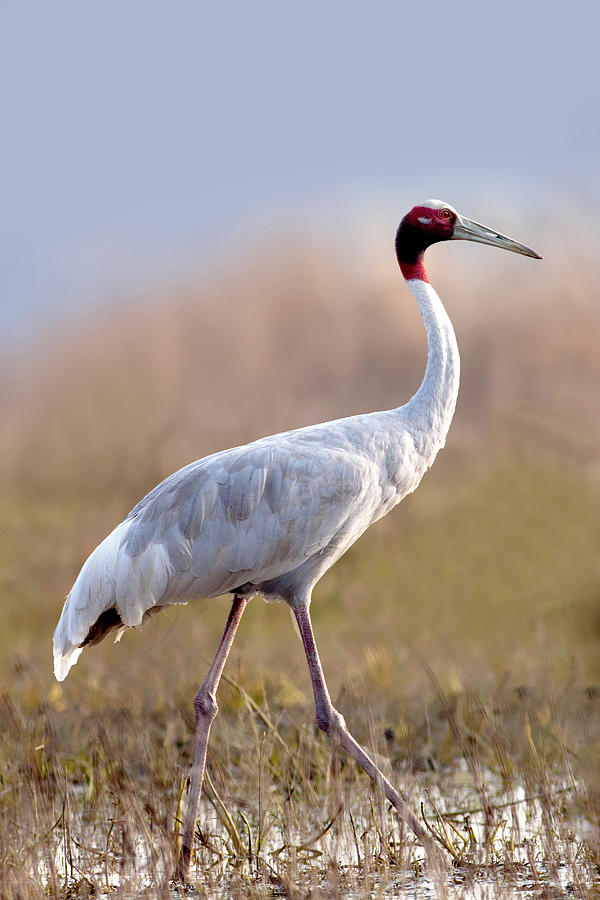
(446, 214)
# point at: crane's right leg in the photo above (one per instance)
(205, 706)
(332, 723)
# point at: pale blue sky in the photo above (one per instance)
(140, 139)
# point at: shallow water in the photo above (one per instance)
(521, 848)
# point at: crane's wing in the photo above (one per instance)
(247, 514)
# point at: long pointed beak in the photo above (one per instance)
(467, 230)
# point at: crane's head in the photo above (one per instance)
(434, 221)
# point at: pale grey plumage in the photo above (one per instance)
(270, 516)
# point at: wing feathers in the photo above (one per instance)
(250, 514)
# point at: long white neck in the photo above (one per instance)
(432, 407)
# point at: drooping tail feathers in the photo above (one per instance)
(91, 595)
(113, 590)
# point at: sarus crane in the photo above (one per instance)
(272, 516)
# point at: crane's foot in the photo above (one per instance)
(181, 875)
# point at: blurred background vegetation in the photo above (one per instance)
(492, 563)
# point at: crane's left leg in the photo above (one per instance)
(205, 705)
(332, 723)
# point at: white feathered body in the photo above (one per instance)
(269, 517)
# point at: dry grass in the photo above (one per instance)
(460, 635)
(507, 777)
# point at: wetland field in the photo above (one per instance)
(460, 635)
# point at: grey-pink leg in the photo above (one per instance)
(205, 706)
(332, 723)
